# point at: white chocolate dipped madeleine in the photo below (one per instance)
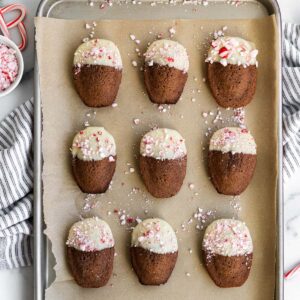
(163, 161)
(232, 71)
(232, 160)
(165, 71)
(97, 72)
(90, 252)
(227, 251)
(93, 159)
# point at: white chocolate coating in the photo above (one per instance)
(98, 52)
(163, 143)
(92, 234)
(227, 237)
(233, 139)
(232, 50)
(93, 143)
(155, 235)
(167, 53)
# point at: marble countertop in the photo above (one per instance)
(18, 284)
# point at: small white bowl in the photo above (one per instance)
(6, 41)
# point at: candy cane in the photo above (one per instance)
(18, 22)
(291, 273)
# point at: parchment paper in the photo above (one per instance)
(64, 115)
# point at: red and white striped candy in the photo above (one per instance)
(291, 273)
(223, 52)
(18, 22)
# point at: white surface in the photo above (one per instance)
(18, 284)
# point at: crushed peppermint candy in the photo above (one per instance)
(235, 3)
(163, 108)
(91, 234)
(93, 143)
(232, 50)
(239, 117)
(9, 67)
(163, 143)
(172, 31)
(227, 237)
(97, 52)
(233, 139)
(191, 186)
(202, 217)
(136, 121)
(134, 63)
(155, 235)
(218, 117)
(167, 53)
(235, 204)
(125, 218)
(111, 159)
(90, 202)
(132, 37)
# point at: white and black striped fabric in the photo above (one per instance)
(291, 98)
(16, 184)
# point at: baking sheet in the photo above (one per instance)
(64, 115)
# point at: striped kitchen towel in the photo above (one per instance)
(291, 98)
(16, 184)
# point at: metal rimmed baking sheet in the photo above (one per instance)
(76, 9)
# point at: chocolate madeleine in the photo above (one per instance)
(227, 252)
(93, 159)
(232, 71)
(97, 72)
(165, 71)
(231, 160)
(90, 252)
(163, 160)
(154, 251)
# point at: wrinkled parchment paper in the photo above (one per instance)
(64, 114)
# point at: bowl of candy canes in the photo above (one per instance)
(11, 66)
